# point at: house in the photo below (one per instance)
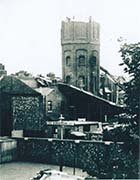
(73, 102)
(21, 108)
(55, 103)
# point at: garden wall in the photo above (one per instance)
(101, 159)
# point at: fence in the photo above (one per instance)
(8, 149)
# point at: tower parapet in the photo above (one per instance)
(80, 32)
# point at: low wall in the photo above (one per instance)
(101, 159)
(8, 149)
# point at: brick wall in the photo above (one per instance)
(81, 38)
(56, 97)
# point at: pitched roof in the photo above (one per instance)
(12, 85)
(66, 88)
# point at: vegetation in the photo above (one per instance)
(130, 54)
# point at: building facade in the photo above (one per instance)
(80, 54)
(3, 72)
(108, 86)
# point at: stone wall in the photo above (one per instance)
(27, 113)
(100, 159)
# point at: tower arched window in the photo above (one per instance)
(93, 61)
(81, 81)
(68, 79)
(68, 61)
(82, 61)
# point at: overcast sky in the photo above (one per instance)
(30, 31)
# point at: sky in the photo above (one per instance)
(30, 31)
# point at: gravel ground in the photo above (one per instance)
(26, 170)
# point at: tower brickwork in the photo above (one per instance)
(80, 54)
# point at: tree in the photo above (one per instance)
(130, 54)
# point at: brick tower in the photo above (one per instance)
(80, 54)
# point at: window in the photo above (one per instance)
(49, 106)
(62, 107)
(68, 79)
(68, 61)
(81, 81)
(81, 60)
(93, 61)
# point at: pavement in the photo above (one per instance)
(26, 170)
